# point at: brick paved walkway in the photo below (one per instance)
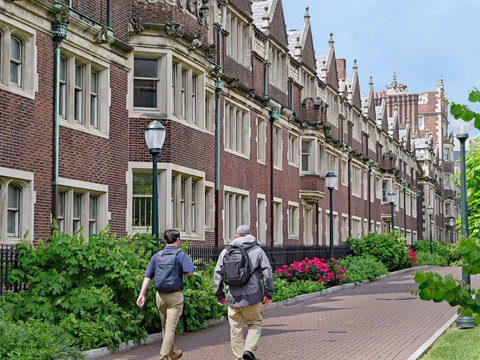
(377, 320)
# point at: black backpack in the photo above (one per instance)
(236, 269)
(168, 272)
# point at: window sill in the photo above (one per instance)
(18, 91)
(245, 156)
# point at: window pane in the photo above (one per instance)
(145, 93)
(93, 208)
(78, 76)
(142, 184)
(146, 68)
(15, 49)
(12, 222)
(63, 69)
(77, 205)
(13, 197)
(94, 82)
(61, 204)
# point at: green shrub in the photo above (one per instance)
(359, 268)
(327, 272)
(88, 288)
(425, 258)
(283, 289)
(389, 248)
(35, 340)
(448, 251)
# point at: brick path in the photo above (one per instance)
(377, 320)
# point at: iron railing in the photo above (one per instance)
(8, 262)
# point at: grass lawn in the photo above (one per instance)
(456, 344)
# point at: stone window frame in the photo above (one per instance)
(308, 153)
(209, 206)
(307, 225)
(10, 28)
(356, 181)
(261, 140)
(293, 215)
(261, 219)
(277, 147)
(24, 181)
(293, 149)
(68, 90)
(278, 221)
(238, 38)
(85, 191)
(335, 227)
(168, 173)
(277, 71)
(236, 211)
(345, 226)
(231, 133)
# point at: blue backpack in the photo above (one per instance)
(168, 272)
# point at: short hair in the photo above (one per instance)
(171, 235)
(243, 230)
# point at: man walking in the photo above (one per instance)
(245, 301)
(166, 268)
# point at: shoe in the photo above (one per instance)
(248, 355)
(179, 355)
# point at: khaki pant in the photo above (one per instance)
(252, 316)
(170, 307)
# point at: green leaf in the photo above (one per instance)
(456, 109)
(420, 277)
(474, 96)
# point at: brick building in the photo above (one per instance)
(254, 120)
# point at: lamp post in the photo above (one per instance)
(462, 130)
(331, 181)
(452, 223)
(430, 213)
(155, 137)
(391, 200)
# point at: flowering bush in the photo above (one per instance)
(413, 257)
(326, 272)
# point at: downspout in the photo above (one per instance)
(59, 28)
(109, 13)
(274, 115)
(265, 79)
(349, 195)
(369, 202)
(218, 90)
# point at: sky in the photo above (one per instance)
(420, 40)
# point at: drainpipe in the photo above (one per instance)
(218, 89)
(349, 195)
(59, 28)
(265, 79)
(274, 115)
(369, 198)
(109, 13)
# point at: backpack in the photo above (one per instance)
(236, 269)
(168, 272)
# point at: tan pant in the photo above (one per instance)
(170, 307)
(252, 316)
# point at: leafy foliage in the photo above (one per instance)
(388, 248)
(460, 111)
(35, 340)
(86, 287)
(425, 258)
(447, 251)
(364, 267)
(283, 289)
(433, 287)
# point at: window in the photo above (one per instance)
(83, 94)
(379, 187)
(408, 205)
(307, 158)
(447, 209)
(277, 69)
(18, 66)
(261, 139)
(344, 227)
(307, 226)
(384, 191)
(365, 185)
(261, 220)
(185, 199)
(142, 200)
(344, 172)
(446, 154)
(209, 121)
(332, 163)
(277, 147)
(209, 208)
(292, 149)
(82, 207)
(335, 227)
(16, 54)
(278, 222)
(193, 206)
(319, 222)
(356, 181)
(194, 98)
(293, 219)
(237, 129)
(13, 211)
(420, 122)
(236, 213)
(238, 44)
(183, 94)
(145, 83)
(320, 152)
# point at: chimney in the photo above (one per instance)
(341, 68)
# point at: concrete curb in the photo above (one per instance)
(158, 336)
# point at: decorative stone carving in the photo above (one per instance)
(174, 29)
(234, 84)
(210, 53)
(422, 99)
(102, 36)
(136, 24)
(197, 7)
(196, 42)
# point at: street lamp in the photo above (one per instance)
(155, 137)
(331, 181)
(391, 200)
(462, 130)
(452, 223)
(430, 213)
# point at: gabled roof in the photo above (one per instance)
(331, 65)
(271, 10)
(258, 10)
(368, 102)
(355, 87)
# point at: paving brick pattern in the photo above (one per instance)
(377, 320)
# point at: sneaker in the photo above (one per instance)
(179, 355)
(248, 355)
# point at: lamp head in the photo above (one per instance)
(391, 197)
(430, 210)
(462, 128)
(155, 136)
(452, 222)
(331, 180)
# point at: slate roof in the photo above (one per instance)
(292, 40)
(258, 11)
(320, 59)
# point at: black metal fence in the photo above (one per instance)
(278, 256)
(8, 262)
